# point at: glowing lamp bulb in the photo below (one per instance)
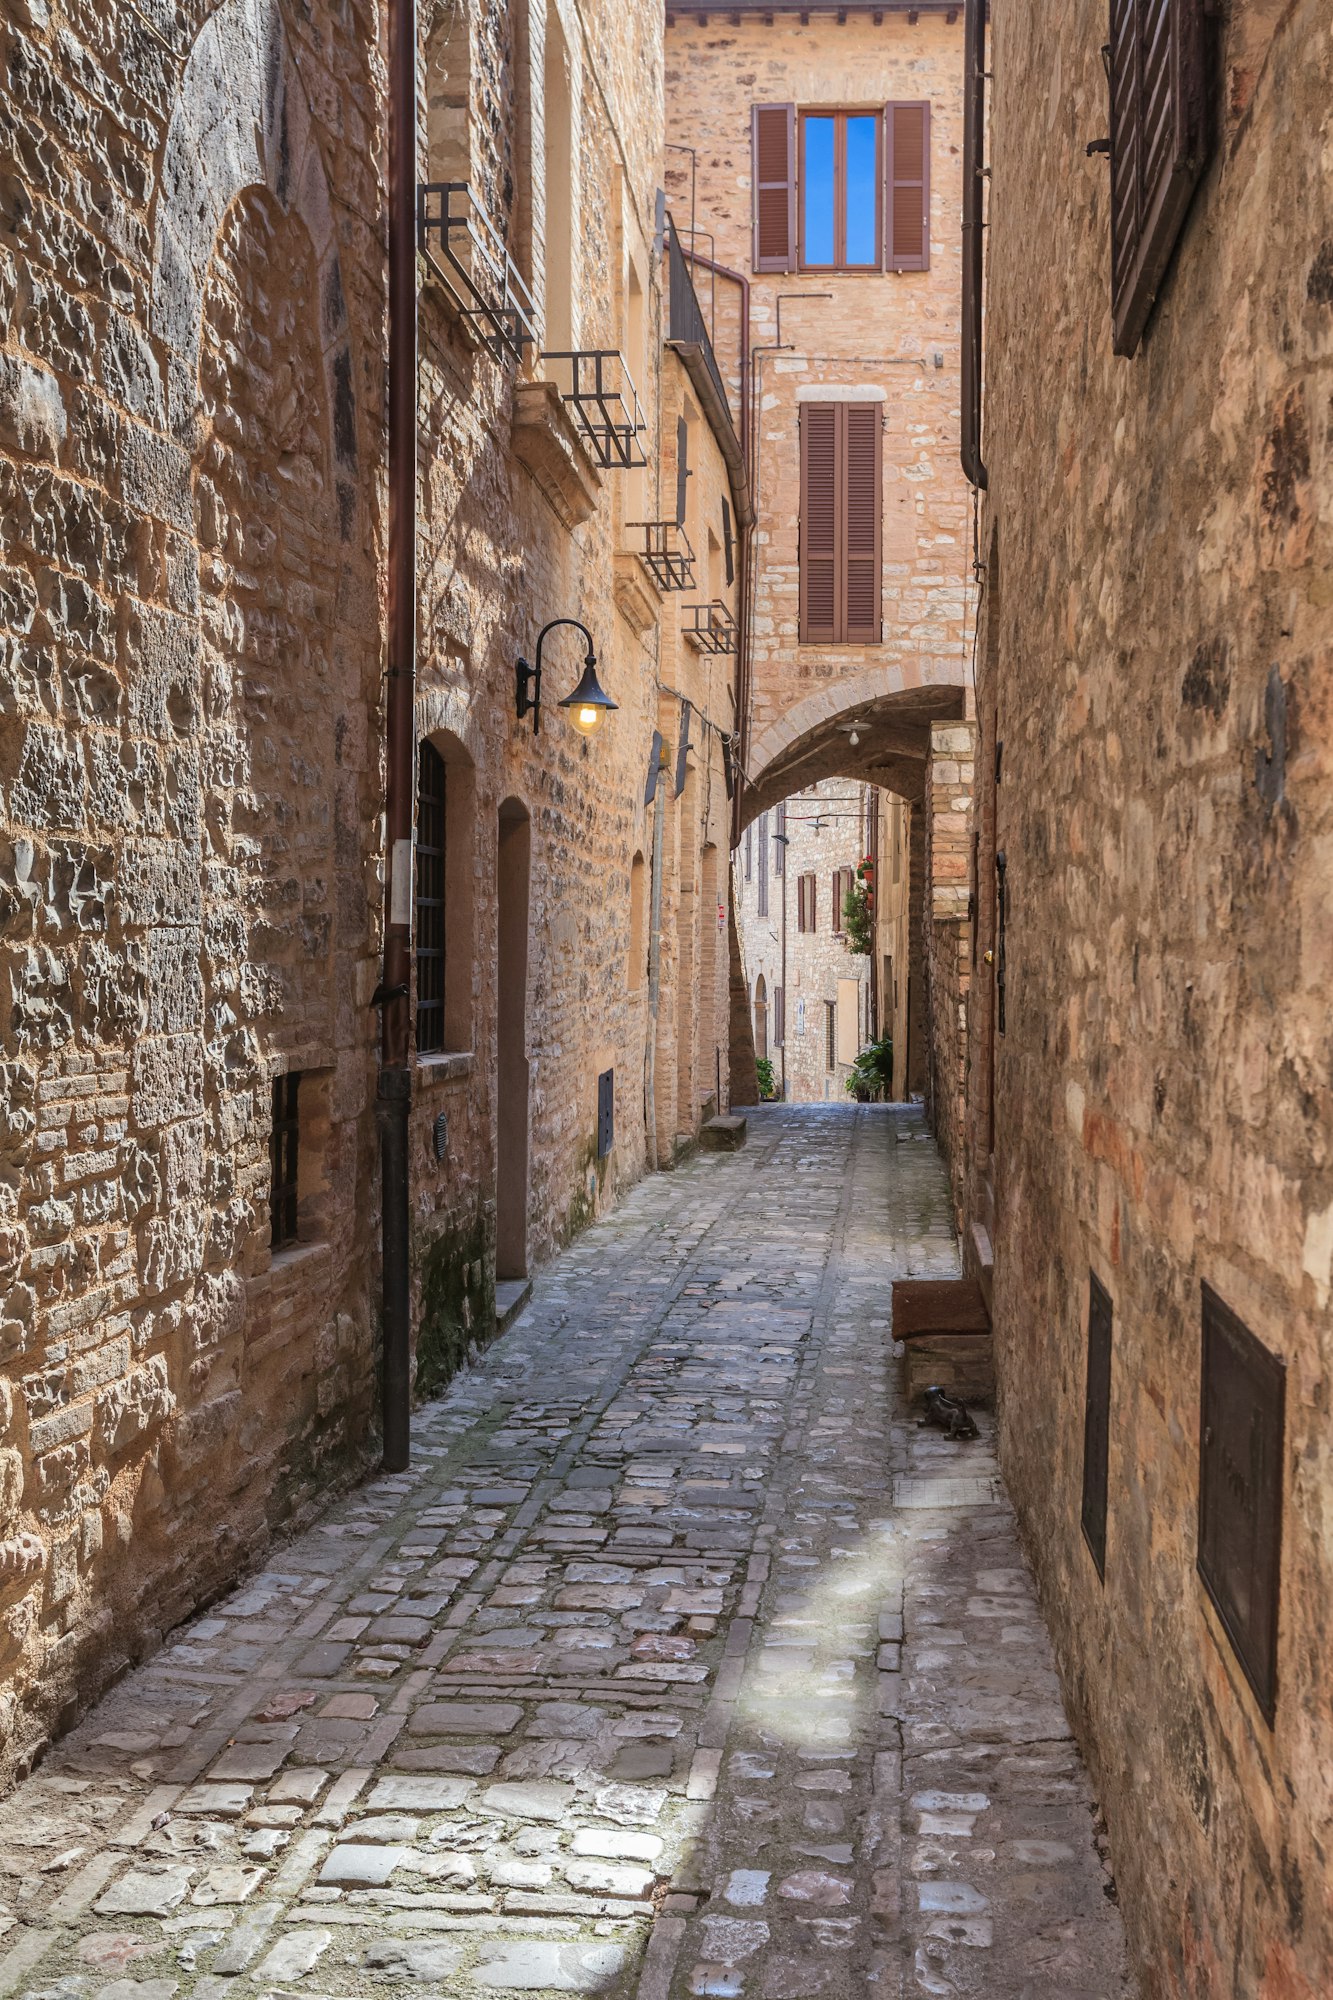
(589, 702)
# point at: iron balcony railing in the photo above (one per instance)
(666, 553)
(464, 252)
(685, 319)
(712, 628)
(604, 404)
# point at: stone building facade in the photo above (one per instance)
(1149, 1118)
(797, 335)
(810, 996)
(192, 551)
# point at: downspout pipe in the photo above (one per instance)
(395, 1080)
(974, 196)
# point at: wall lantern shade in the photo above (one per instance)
(586, 705)
(589, 703)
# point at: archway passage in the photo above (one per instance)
(858, 729)
(513, 871)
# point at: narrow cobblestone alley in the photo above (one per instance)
(678, 1665)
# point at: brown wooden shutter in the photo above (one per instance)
(861, 531)
(1160, 140)
(773, 170)
(841, 520)
(835, 914)
(682, 470)
(907, 204)
(820, 425)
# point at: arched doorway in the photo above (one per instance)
(513, 870)
(760, 1018)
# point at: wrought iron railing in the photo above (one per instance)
(604, 404)
(464, 252)
(666, 552)
(685, 317)
(712, 628)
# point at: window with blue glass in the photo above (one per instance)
(841, 181)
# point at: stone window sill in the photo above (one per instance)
(293, 1255)
(446, 1068)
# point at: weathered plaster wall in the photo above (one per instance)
(1160, 584)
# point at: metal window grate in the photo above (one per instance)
(1242, 1425)
(284, 1142)
(430, 899)
(606, 1112)
(604, 404)
(463, 251)
(667, 554)
(1097, 1421)
(712, 628)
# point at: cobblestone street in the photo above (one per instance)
(680, 1664)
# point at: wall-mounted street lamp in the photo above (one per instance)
(587, 705)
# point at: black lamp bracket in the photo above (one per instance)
(528, 679)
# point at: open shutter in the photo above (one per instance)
(820, 425)
(864, 513)
(682, 469)
(1160, 137)
(907, 207)
(773, 178)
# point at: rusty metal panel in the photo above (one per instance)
(1242, 1415)
(1097, 1421)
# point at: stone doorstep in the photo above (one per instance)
(725, 1134)
(511, 1295)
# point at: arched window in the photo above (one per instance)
(431, 855)
(446, 808)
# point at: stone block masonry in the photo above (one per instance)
(192, 354)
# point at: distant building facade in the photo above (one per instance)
(811, 994)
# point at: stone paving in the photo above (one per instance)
(678, 1665)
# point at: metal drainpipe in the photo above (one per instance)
(974, 190)
(395, 1081)
(654, 965)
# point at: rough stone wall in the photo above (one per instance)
(189, 333)
(1161, 577)
(192, 351)
(891, 335)
(512, 545)
(947, 944)
(825, 831)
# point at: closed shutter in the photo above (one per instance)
(773, 178)
(835, 914)
(864, 433)
(779, 1016)
(820, 427)
(728, 543)
(907, 206)
(1160, 141)
(841, 521)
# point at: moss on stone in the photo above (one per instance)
(457, 1303)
